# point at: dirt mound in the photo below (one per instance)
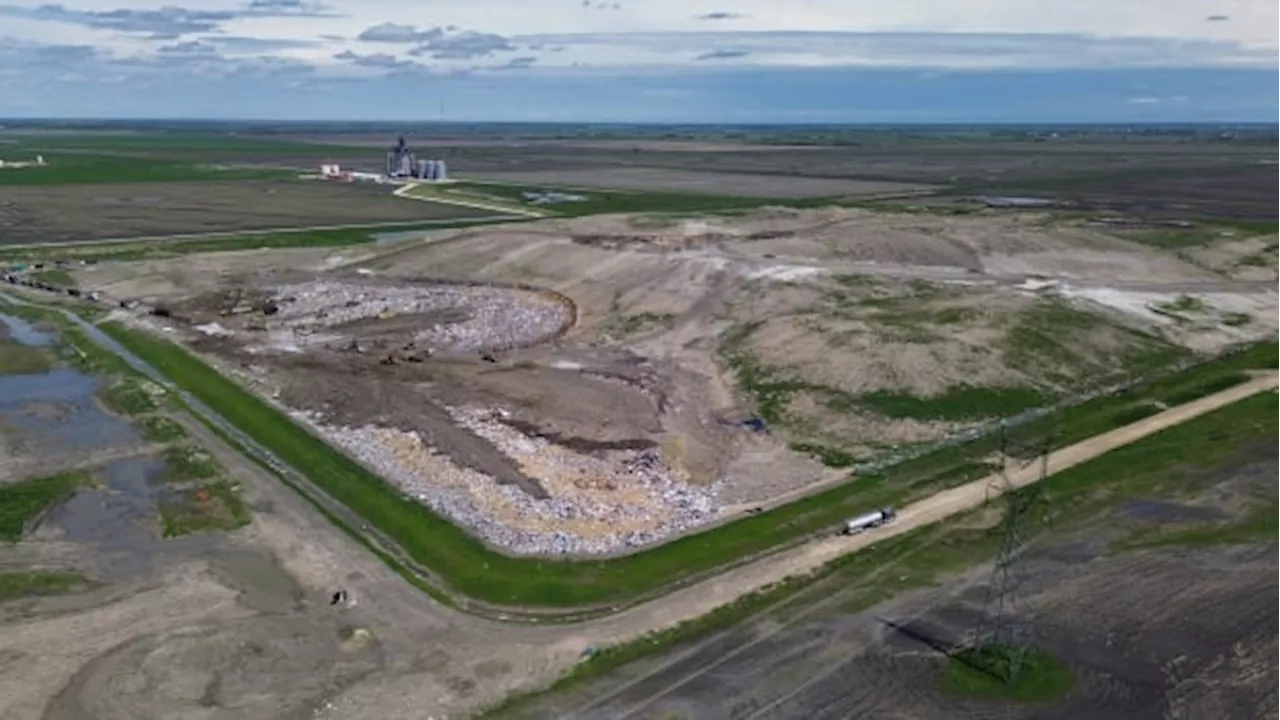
(447, 318)
(850, 333)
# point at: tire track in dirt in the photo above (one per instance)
(562, 644)
(700, 599)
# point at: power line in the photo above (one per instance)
(1001, 627)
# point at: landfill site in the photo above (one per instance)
(590, 386)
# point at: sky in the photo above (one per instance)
(739, 61)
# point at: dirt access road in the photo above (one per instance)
(433, 661)
(546, 651)
(704, 597)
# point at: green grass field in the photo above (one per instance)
(18, 359)
(126, 396)
(87, 169)
(473, 570)
(981, 672)
(212, 507)
(1205, 233)
(56, 276)
(1042, 344)
(14, 585)
(180, 145)
(184, 463)
(22, 502)
(160, 429)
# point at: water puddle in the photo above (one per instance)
(24, 333)
(391, 236)
(118, 517)
(57, 409)
(55, 419)
(263, 585)
(109, 514)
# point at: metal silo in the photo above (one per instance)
(441, 173)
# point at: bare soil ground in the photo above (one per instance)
(1245, 259)
(87, 212)
(1161, 648)
(161, 280)
(669, 333)
(1230, 192)
(242, 624)
(52, 423)
(705, 183)
(237, 624)
(1171, 633)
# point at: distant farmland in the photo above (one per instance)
(87, 212)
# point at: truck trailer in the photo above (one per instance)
(873, 519)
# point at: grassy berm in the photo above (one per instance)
(470, 568)
(756, 639)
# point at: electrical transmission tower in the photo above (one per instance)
(1001, 629)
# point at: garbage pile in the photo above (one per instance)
(596, 505)
(489, 317)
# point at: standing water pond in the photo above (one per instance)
(52, 422)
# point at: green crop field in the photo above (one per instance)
(84, 169)
(179, 145)
(472, 569)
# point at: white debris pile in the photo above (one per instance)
(490, 317)
(595, 506)
(784, 273)
(214, 329)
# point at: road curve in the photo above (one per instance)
(702, 597)
(414, 607)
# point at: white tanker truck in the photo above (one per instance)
(870, 520)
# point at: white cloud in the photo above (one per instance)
(446, 37)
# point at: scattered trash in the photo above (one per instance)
(214, 329)
(598, 504)
(487, 317)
